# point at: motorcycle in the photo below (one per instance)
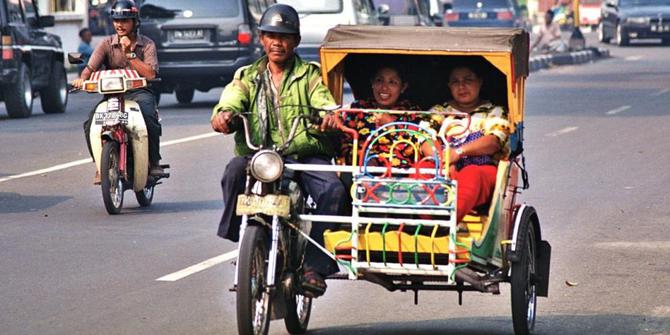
(272, 241)
(119, 138)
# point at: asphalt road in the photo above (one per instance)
(597, 155)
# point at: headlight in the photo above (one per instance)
(113, 84)
(638, 20)
(267, 166)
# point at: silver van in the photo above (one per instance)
(317, 16)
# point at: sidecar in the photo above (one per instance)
(403, 233)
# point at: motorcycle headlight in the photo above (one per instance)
(267, 166)
(638, 20)
(112, 84)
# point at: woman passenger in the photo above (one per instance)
(474, 156)
(388, 85)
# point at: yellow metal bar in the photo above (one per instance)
(432, 247)
(367, 246)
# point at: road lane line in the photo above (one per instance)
(88, 160)
(647, 245)
(562, 131)
(206, 264)
(659, 93)
(618, 110)
(633, 58)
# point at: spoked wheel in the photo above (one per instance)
(524, 294)
(111, 181)
(298, 311)
(145, 196)
(253, 302)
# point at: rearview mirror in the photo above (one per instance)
(75, 58)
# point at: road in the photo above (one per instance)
(596, 152)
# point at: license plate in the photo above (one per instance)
(189, 34)
(477, 15)
(111, 118)
(660, 28)
(270, 204)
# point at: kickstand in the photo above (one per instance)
(459, 287)
(416, 297)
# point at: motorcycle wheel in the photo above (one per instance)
(524, 292)
(298, 311)
(145, 197)
(253, 302)
(111, 181)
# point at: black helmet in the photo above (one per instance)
(280, 18)
(125, 9)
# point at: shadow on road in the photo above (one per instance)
(173, 207)
(18, 203)
(546, 324)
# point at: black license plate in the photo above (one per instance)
(188, 34)
(111, 118)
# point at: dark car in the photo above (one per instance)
(404, 12)
(32, 60)
(201, 43)
(624, 20)
(483, 13)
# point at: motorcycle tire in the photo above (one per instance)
(145, 197)
(111, 181)
(54, 96)
(251, 273)
(298, 311)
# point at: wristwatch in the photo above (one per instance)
(131, 56)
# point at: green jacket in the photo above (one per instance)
(301, 85)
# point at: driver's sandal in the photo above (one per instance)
(312, 284)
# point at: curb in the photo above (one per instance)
(591, 54)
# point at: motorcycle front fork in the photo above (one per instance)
(272, 254)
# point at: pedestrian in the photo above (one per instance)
(549, 37)
(85, 48)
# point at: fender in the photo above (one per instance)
(95, 137)
(139, 140)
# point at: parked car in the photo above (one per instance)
(317, 17)
(405, 12)
(589, 13)
(32, 60)
(483, 13)
(624, 20)
(201, 44)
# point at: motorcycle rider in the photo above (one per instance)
(127, 49)
(281, 78)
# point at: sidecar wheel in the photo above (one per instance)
(253, 302)
(524, 291)
(298, 311)
(111, 180)
(145, 197)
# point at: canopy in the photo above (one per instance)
(433, 40)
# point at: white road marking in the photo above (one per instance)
(659, 93)
(88, 160)
(562, 131)
(647, 245)
(618, 110)
(199, 267)
(633, 58)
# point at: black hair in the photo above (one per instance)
(83, 31)
(397, 67)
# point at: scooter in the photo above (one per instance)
(119, 138)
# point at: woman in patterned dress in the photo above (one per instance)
(388, 85)
(474, 155)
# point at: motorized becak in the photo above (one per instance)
(402, 233)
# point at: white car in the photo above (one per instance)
(317, 16)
